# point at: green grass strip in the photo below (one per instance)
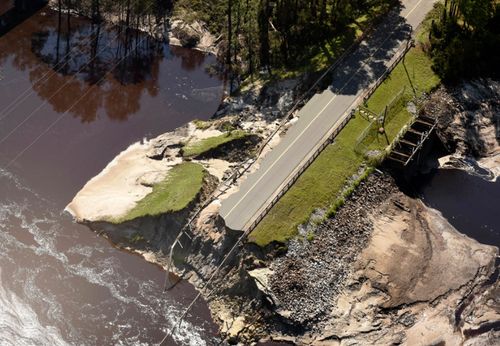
(323, 182)
(202, 146)
(174, 193)
(202, 124)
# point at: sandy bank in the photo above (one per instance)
(129, 177)
(116, 190)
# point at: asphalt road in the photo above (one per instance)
(321, 114)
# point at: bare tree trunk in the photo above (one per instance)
(237, 32)
(127, 16)
(96, 11)
(263, 17)
(59, 25)
(229, 32)
(68, 38)
(249, 40)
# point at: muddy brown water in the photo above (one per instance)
(59, 282)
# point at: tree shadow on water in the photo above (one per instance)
(84, 68)
(96, 62)
(15, 12)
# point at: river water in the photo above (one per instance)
(467, 200)
(59, 282)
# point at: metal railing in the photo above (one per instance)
(361, 147)
(242, 168)
(323, 143)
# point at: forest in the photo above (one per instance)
(263, 36)
(465, 40)
(266, 34)
(256, 34)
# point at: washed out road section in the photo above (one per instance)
(323, 113)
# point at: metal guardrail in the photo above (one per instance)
(360, 147)
(298, 102)
(325, 141)
(282, 191)
(245, 166)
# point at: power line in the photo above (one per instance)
(32, 113)
(216, 271)
(25, 94)
(74, 104)
(245, 234)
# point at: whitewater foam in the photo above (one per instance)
(19, 324)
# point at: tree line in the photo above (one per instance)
(262, 34)
(465, 40)
(256, 34)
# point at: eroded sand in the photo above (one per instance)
(130, 176)
(116, 190)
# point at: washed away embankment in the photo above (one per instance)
(386, 269)
(469, 124)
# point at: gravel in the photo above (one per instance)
(309, 277)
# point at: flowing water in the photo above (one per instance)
(59, 282)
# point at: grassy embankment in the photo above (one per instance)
(182, 183)
(324, 184)
(174, 193)
(193, 149)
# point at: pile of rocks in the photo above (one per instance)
(469, 117)
(193, 35)
(307, 280)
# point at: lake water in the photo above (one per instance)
(70, 100)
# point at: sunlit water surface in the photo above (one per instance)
(59, 282)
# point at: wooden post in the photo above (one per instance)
(384, 117)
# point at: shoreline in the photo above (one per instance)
(207, 43)
(207, 247)
(252, 287)
(383, 268)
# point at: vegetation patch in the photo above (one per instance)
(464, 39)
(193, 149)
(174, 193)
(321, 185)
(202, 124)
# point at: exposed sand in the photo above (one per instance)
(130, 176)
(200, 134)
(419, 269)
(216, 167)
(116, 190)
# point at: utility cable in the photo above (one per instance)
(245, 234)
(32, 113)
(74, 104)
